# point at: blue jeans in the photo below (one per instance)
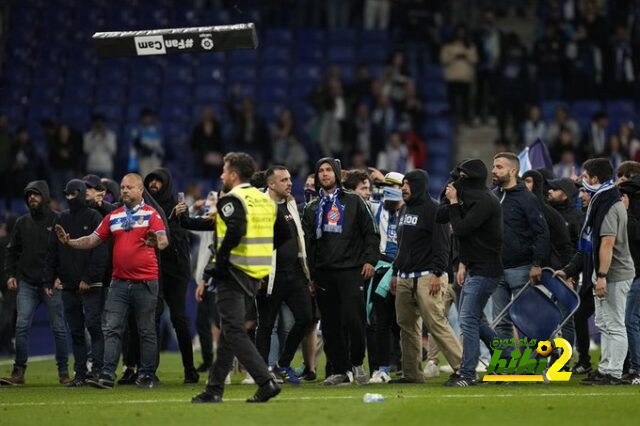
(281, 329)
(29, 297)
(632, 322)
(514, 279)
(474, 297)
(141, 298)
(84, 310)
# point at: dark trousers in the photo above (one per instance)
(289, 287)
(131, 339)
(383, 333)
(7, 320)
(141, 298)
(340, 295)
(84, 310)
(175, 294)
(581, 319)
(206, 316)
(232, 301)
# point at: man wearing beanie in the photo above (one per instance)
(342, 244)
(80, 274)
(421, 283)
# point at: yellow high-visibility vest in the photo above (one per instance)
(254, 253)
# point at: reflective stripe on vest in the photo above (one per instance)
(253, 255)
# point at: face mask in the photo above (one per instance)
(590, 188)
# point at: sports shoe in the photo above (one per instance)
(248, 380)
(593, 378)
(207, 397)
(191, 377)
(265, 392)
(455, 380)
(309, 376)
(581, 369)
(287, 373)
(103, 382)
(380, 376)
(64, 379)
(147, 382)
(609, 380)
(203, 368)
(360, 376)
(431, 370)
(336, 380)
(16, 379)
(633, 379)
(77, 382)
(129, 377)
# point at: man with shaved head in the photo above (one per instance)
(137, 230)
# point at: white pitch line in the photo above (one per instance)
(309, 398)
(38, 358)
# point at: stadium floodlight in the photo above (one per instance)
(113, 44)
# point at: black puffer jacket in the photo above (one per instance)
(526, 234)
(73, 266)
(359, 240)
(27, 250)
(174, 260)
(423, 244)
(476, 220)
(561, 248)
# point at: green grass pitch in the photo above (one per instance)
(43, 402)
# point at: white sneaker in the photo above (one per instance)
(431, 370)
(248, 380)
(227, 381)
(380, 377)
(360, 376)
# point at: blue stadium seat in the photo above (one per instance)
(210, 74)
(372, 53)
(42, 93)
(279, 37)
(177, 93)
(242, 74)
(276, 55)
(585, 108)
(436, 108)
(373, 36)
(342, 36)
(307, 73)
(311, 36)
(273, 93)
(209, 93)
(143, 93)
(301, 91)
(623, 109)
(437, 129)
(313, 54)
(147, 74)
(435, 92)
(439, 147)
(243, 56)
(213, 58)
(118, 76)
(112, 112)
(548, 108)
(17, 74)
(275, 74)
(179, 74)
(341, 55)
(434, 72)
(72, 94)
(270, 111)
(110, 94)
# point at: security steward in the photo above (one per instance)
(247, 234)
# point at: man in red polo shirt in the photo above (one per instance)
(137, 231)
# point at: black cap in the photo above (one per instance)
(565, 185)
(93, 181)
(75, 185)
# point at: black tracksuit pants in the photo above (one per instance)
(206, 316)
(175, 294)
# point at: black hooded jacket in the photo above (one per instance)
(359, 240)
(573, 217)
(73, 266)
(526, 234)
(631, 188)
(476, 220)
(27, 249)
(561, 248)
(423, 244)
(174, 260)
(113, 188)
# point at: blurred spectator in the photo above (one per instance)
(629, 139)
(360, 131)
(206, 145)
(534, 128)
(596, 24)
(99, 145)
(395, 157)
(567, 166)
(488, 40)
(308, 13)
(250, 132)
(563, 142)
(338, 12)
(357, 160)
(287, 149)
(376, 14)
(384, 122)
(614, 151)
(417, 149)
(562, 121)
(596, 138)
(622, 76)
(549, 55)
(512, 90)
(584, 72)
(5, 159)
(25, 162)
(360, 89)
(421, 34)
(459, 57)
(148, 143)
(395, 77)
(411, 109)
(65, 154)
(333, 113)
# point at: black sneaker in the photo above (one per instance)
(103, 382)
(609, 380)
(632, 379)
(147, 382)
(265, 392)
(207, 397)
(456, 380)
(129, 377)
(77, 382)
(593, 378)
(580, 369)
(203, 368)
(191, 377)
(309, 376)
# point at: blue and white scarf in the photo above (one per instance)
(330, 213)
(586, 234)
(127, 225)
